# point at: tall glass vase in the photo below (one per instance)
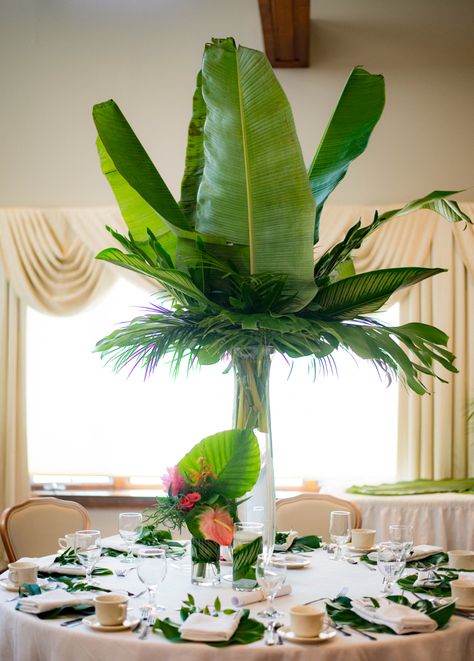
(252, 411)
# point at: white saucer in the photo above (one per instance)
(292, 562)
(92, 622)
(323, 637)
(6, 584)
(356, 551)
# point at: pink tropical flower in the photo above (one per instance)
(194, 496)
(173, 481)
(216, 524)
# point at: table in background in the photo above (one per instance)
(27, 638)
(443, 519)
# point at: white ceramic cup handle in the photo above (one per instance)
(62, 541)
(124, 608)
(13, 575)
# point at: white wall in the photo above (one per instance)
(58, 57)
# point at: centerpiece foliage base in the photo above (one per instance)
(205, 564)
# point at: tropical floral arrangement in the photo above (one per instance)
(204, 489)
(235, 257)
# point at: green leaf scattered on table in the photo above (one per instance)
(248, 631)
(340, 610)
(441, 589)
(80, 609)
(300, 544)
(430, 562)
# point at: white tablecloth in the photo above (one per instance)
(27, 638)
(443, 519)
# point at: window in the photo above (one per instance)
(86, 420)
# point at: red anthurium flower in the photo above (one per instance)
(216, 524)
(173, 480)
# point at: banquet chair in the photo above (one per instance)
(32, 528)
(309, 513)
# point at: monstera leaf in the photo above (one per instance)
(233, 457)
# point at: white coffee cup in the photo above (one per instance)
(363, 538)
(111, 609)
(461, 559)
(306, 621)
(67, 542)
(22, 572)
(462, 589)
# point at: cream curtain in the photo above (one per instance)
(46, 258)
(435, 440)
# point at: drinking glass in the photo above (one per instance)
(246, 547)
(130, 529)
(88, 549)
(339, 531)
(271, 574)
(402, 534)
(391, 563)
(151, 570)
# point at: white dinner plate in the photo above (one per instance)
(356, 551)
(324, 636)
(11, 587)
(292, 561)
(92, 622)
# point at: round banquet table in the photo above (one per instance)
(25, 637)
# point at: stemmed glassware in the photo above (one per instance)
(339, 531)
(151, 570)
(87, 546)
(402, 534)
(391, 561)
(271, 574)
(130, 529)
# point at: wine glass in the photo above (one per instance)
(151, 570)
(391, 561)
(339, 531)
(271, 574)
(88, 549)
(402, 534)
(130, 529)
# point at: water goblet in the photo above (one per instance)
(271, 574)
(88, 548)
(402, 534)
(151, 570)
(391, 561)
(130, 529)
(339, 531)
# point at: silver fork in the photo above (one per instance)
(149, 622)
(342, 593)
(123, 572)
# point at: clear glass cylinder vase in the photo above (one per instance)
(252, 411)
(205, 562)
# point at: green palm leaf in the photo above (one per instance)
(194, 155)
(254, 189)
(331, 261)
(172, 279)
(367, 292)
(233, 457)
(346, 136)
(137, 213)
(133, 164)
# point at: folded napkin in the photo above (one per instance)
(205, 628)
(47, 601)
(399, 618)
(423, 551)
(291, 536)
(246, 598)
(47, 566)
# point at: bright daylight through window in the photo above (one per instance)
(83, 419)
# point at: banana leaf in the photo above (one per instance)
(346, 136)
